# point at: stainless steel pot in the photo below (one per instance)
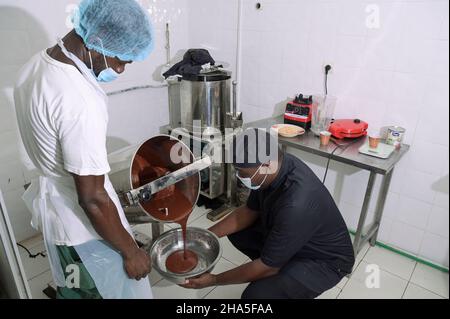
(205, 101)
(155, 153)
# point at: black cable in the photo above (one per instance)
(344, 147)
(30, 255)
(327, 71)
(328, 163)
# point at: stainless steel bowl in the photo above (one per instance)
(201, 241)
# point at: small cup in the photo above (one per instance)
(374, 140)
(325, 138)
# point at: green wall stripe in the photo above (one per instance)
(407, 255)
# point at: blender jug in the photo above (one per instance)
(322, 113)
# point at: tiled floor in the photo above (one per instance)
(399, 277)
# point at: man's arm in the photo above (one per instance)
(252, 271)
(240, 219)
(249, 272)
(103, 214)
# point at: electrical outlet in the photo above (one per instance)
(330, 64)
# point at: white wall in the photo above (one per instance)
(28, 26)
(213, 26)
(396, 74)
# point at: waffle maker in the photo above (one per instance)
(355, 128)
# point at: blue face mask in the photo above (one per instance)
(107, 75)
(248, 181)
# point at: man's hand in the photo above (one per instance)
(104, 216)
(204, 281)
(137, 264)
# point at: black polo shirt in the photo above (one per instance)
(304, 232)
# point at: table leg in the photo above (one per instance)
(357, 244)
(157, 230)
(380, 204)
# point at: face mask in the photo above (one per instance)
(107, 75)
(248, 181)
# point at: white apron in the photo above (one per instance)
(104, 264)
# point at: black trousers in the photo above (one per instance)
(279, 286)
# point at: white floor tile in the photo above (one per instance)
(38, 284)
(333, 293)
(342, 283)
(33, 241)
(34, 266)
(154, 277)
(391, 286)
(362, 253)
(417, 292)
(230, 252)
(431, 279)
(202, 222)
(197, 213)
(222, 266)
(391, 262)
(227, 292)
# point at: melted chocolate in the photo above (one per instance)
(173, 204)
(182, 261)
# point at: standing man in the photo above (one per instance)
(290, 228)
(62, 116)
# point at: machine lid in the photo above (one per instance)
(348, 126)
(208, 77)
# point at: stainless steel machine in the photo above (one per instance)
(203, 113)
(203, 119)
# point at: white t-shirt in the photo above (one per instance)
(63, 122)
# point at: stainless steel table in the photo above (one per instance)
(385, 167)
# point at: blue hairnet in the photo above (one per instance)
(116, 28)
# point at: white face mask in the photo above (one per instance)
(248, 180)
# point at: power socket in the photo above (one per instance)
(326, 65)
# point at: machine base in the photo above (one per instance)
(220, 212)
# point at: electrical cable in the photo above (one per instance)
(328, 163)
(343, 147)
(30, 255)
(327, 71)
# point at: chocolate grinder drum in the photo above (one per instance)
(134, 169)
(160, 179)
